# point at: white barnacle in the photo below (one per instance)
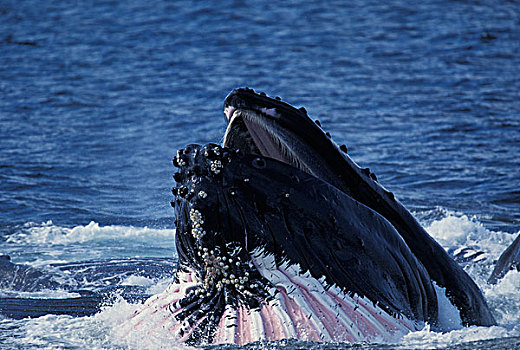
(215, 166)
(180, 161)
(246, 180)
(202, 194)
(198, 232)
(196, 216)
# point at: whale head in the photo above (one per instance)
(279, 216)
(243, 219)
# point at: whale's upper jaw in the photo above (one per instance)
(266, 126)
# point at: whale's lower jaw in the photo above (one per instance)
(300, 307)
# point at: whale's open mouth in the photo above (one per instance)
(253, 132)
(256, 126)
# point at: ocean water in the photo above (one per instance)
(96, 97)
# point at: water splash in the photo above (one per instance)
(48, 233)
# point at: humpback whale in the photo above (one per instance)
(280, 234)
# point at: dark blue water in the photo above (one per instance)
(96, 96)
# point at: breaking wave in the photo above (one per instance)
(49, 233)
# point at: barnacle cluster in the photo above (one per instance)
(195, 161)
(227, 270)
(196, 223)
(216, 166)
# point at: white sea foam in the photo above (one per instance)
(137, 281)
(91, 332)
(159, 286)
(428, 339)
(111, 319)
(42, 294)
(449, 316)
(153, 286)
(453, 231)
(48, 233)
